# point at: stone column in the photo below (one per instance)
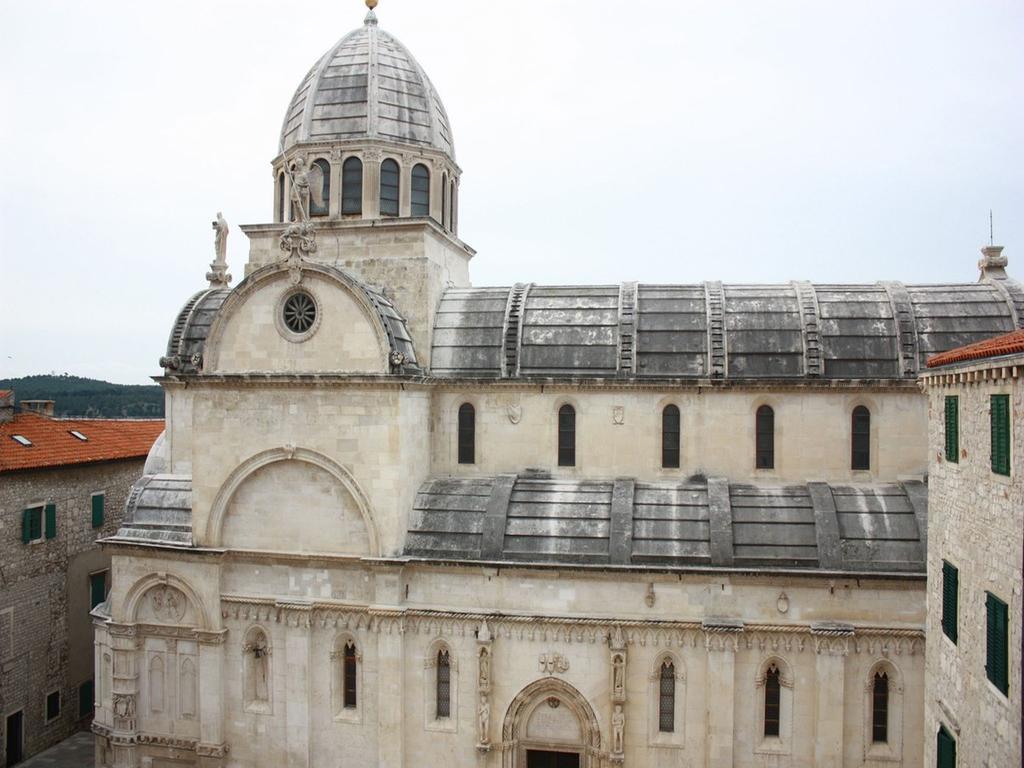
(297, 652)
(721, 639)
(371, 183)
(124, 644)
(831, 644)
(211, 748)
(391, 692)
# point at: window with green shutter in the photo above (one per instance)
(996, 656)
(97, 588)
(953, 429)
(999, 413)
(31, 524)
(97, 510)
(946, 752)
(51, 521)
(950, 594)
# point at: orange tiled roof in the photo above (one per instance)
(1006, 344)
(53, 445)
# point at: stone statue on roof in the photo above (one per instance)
(218, 274)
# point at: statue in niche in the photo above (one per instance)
(618, 729)
(300, 189)
(485, 669)
(258, 677)
(484, 719)
(618, 677)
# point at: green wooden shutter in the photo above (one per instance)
(953, 429)
(51, 521)
(946, 750)
(999, 413)
(996, 650)
(97, 510)
(950, 595)
(26, 526)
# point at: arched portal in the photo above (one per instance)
(550, 716)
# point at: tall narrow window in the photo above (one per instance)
(97, 510)
(567, 436)
(467, 434)
(999, 413)
(97, 588)
(444, 201)
(953, 429)
(670, 437)
(860, 449)
(946, 752)
(880, 708)
(451, 206)
(319, 188)
(420, 190)
(772, 701)
(667, 698)
(950, 596)
(352, 186)
(349, 674)
(280, 196)
(444, 685)
(997, 645)
(765, 428)
(389, 183)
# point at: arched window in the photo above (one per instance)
(880, 708)
(443, 685)
(352, 186)
(667, 697)
(670, 437)
(772, 701)
(389, 183)
(280, 196)
(349, 676)
(420, 190)
(567, 436)
(860, 453)
(451, 207)
(444, 201)
(467, 434)
(765, 448)
(319, 188)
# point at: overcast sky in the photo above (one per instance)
(600, 141)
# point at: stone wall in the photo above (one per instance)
(977, 525)
(45, 629)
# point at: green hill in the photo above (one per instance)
(75, 396)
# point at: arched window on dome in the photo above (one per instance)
(280, 196)
(420, 190)
(352, 186)
(390, 178)
(860, 448)
(444, 200)
(319, 188)
(451, 206)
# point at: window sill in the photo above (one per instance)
(772, 746)
(352, 716)
(881, 753)
(259, 708)
(445, 725)
(1002, 699)
(662, 742)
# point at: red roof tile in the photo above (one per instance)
(1006, 344)
(53, 445)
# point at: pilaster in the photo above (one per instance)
(298, 651)
(721, 639)
(831, 645)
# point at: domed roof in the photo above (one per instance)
(368, 86)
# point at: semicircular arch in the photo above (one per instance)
(521, 709)
(133, 598)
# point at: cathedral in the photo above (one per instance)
(398, 520)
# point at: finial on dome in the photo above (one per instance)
(371, 17)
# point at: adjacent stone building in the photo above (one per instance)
(973, 665)
(63, 485)
(397, 520)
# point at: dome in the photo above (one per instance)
(368, 86)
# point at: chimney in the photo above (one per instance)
(993, 263)
(6, 405)
(42, 407)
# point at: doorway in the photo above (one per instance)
(14, 739)
(542, 758)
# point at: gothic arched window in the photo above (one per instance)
(567, 436)
(667, 697)
(765, 437)
(860, 449)
(444, 201)
(451, 206)
(443, 685)
(280, 196)
(349, 676)
(670, 437)
(352, 186)
(772, 701)
(467, 434)
(390, 177)
(420, 190)
(880, 708)
(319, 188)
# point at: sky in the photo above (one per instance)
(600, 141)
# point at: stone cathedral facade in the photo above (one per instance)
(396, 520)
